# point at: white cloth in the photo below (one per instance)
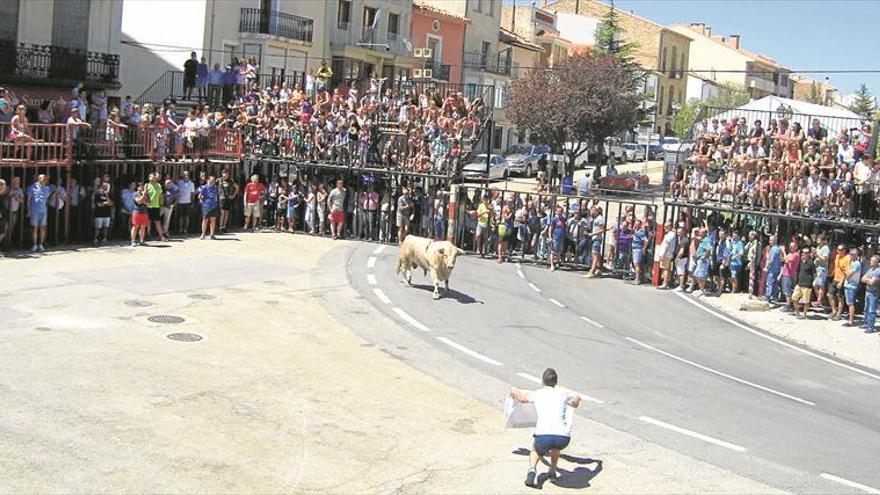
(519, 415)
(555, 414)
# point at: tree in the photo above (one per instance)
(684, 118)
(864, 103)
(730, 95)
(585, 99)
(816, 94)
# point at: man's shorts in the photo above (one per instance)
(339, 216)
(226, 204)
(724, 271)
(597, 246)
(212, 213)
(787, 286)
(665, 263)
(834, 288)
(681, 266)
(545, 443)
(102, 222)
(702, 269)
(637, 257)
(39, 218)
(713, 269)
(850, 296)
(253, 210)
(734, 272)
(481, 229)
(557, 246)
(155, 214)
(821, 276)
(801, 294)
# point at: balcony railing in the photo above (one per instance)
(276, 23)
(27, 61)
(496, 63)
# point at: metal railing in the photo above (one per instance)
(276, 23)
(170, 85)
(27, 60)
(494, 62)
(35, 145)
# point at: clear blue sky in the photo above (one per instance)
(799, 34)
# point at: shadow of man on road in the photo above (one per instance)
(577, 478)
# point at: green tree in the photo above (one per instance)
(730, 95)
(816, 94)
(864, 103)
(684, 118)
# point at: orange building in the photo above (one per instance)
(443, 33)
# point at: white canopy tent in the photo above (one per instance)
(775, 107)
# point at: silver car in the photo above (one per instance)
(634, 152)
(478, 168)
(523, 159)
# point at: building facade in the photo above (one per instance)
(48, 46)
(441, 32)
(814, 91)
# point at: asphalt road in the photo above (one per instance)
(655, 364)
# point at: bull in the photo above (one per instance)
(434, 257)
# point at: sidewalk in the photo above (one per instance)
(277, 397)
(819, 332)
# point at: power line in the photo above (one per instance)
(184, 49)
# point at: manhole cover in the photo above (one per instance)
(202, 297)
(185, 337)
(138, 304)
(273, 282)
(44, 329)
(166, 319)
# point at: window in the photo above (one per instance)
(672, 61)
(393, 25)
(681, 65)
(70, 24)
(663, 61)
(670, 100)
(500, 94)
(497, 138)
(369, 16)
(343, 15)
(9, 20)
(660, 101)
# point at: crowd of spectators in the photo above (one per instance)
(782, 168)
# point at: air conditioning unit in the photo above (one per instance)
(428, 73)
(418, 73)
(428, 53)
(417, 53)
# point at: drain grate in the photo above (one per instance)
(273, 282)
(185, 337)
(138, 304)
(166, 319)
(43, 329)
(202, 297)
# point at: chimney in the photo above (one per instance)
(719, 38)
(733, 41)
(698, 27)
(707, 32)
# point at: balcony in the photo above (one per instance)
(58, 65)
(368, 38)
(496, 63)
(762, 84)
(272, 22)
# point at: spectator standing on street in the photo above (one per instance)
(639, 245)
(38, 196)
(871, 279)
(667, 250)
(336, 205)
(681, 258)
(228, 190)
(753, 251)
(596, 249)
(484, 212)
(773, 267)
(806, 275)
(736, 253)
(185, 192)
(555, 410)
(169, 199)
(821, 256)
(254, 192)
(789, 275)
(556, 230)
(209, 199)
(189, 75)
(140, 218)
(851, 285)
(103, 205)
(153, 191)
(836, 296)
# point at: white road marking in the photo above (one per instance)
(534, 287)
(693, 434)
(371, 279)
(592, 322)
(554, 301)
(538, 381)
(469, 352)
(379, 249)
(774, 339)
(381, 295)
(409, 319)
(721, 374)
(851, 484)
(371, 263)
(520, 272)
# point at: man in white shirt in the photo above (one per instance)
(555, 410)
(185, 192)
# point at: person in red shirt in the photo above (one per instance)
(254, 192)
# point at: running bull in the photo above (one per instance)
(436, 257)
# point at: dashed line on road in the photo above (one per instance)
(371, 279)
(371, 262)
(693, 434)
(851, 484)
(538, 381)
(534, 287)
(409, 319)
(592, 322)
(557, 303)
(774, 339)
(381, 295)
(520, 272)
(720, 373)
(472, 353)
(379, 249)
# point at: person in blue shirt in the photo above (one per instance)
(556, 230)
(722, 261)
(703, 254)
(871, 279)
(209, 197)
(639, 243)
(851, 285)
(736, 252)
(773, 267)
(38, 195)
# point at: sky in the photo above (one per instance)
(799, 34)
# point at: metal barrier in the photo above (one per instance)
(832, 124)
(43, 144)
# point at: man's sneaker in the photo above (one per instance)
(530, 479)
(40, 248)
(870, 330)
(697, 293)
(134, 244)
(34, 249)
(202, 237)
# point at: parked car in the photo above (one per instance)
(634, 152)
(655, 151)
(670, 144)
(523, 159)
(479, 169)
